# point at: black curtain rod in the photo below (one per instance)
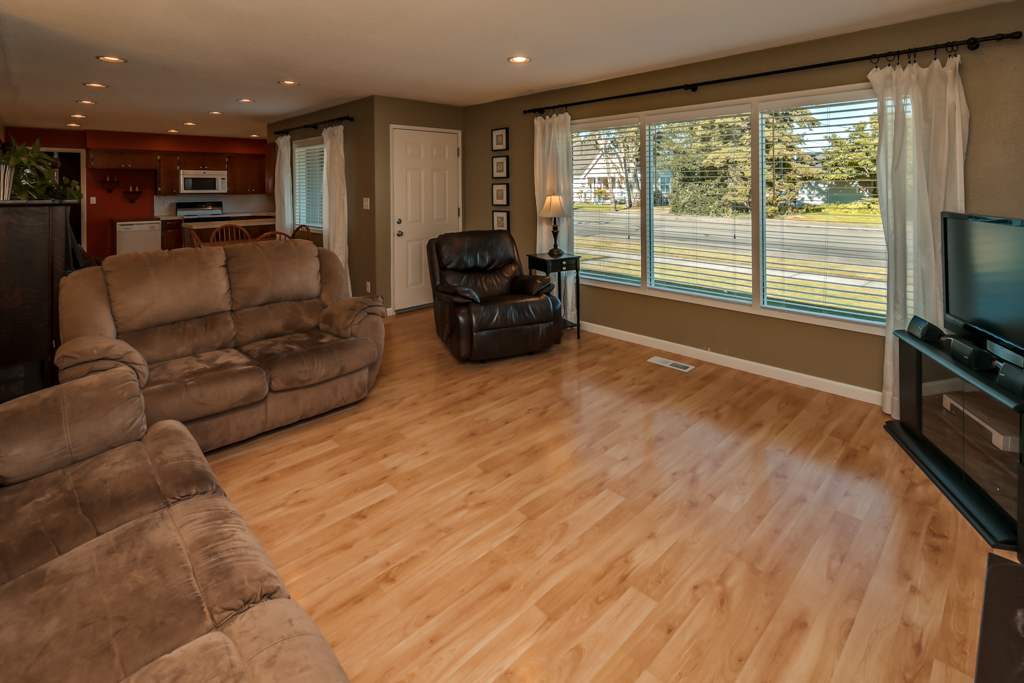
(314, 126)
(971, 43)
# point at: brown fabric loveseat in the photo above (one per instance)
(231, 341)
(121, 559)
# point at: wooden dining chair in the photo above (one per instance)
(230, 233)
(301, 232)
(196, 242)
(273, 235)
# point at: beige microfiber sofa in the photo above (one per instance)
(121, 559)
(231, 341)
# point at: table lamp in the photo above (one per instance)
(554, 209)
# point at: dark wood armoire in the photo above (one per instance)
(33, 259)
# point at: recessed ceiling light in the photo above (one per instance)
(216, 113)
(189, 123)
(85, 102)
(288, 82)
(111, 60)
(519, 60)
(94, 85)
(78, 116)
(172, 131)
(246, 100)
(72, 125)
(254, 135)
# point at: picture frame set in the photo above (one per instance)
(500, 171)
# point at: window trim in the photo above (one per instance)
(696, 111)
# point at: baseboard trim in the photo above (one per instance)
(390, 311)
(798, 378)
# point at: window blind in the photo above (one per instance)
(607, 202)
(308, 186)
(824, 249)
(700, 223)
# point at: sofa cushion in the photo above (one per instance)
(196, 386)
(299, 360)
(51, 515)
(185, 338)
(511, 310)
(485, 261)
(108, 608)
(274, 320)
(151, 288)
(272, 271)
(212, 658)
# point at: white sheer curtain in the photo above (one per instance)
(285, 219)
(336, 197)
(552, 174)
(922, 125)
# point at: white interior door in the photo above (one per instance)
(425, 194)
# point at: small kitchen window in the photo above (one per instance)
(308, 181)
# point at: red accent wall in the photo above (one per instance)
(113, 206)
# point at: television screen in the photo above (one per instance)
(984, 275)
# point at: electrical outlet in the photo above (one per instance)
(366, 202)
(367, 284)
(92, 200)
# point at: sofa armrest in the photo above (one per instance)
(90, 355)
(62, 425)
(456, 294)
(532, 285)
(343, 317)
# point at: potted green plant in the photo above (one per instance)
(29, 173)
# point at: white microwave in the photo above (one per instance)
(203, 182)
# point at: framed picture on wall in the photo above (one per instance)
(499, 167)
(499, 194)
(499, 139)
(499, 220)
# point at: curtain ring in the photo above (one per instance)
(874, 60)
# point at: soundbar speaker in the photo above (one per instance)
(972, 356)
(1011, 378)
(924, 330)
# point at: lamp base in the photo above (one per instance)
(555, 251)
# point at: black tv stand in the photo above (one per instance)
(956, 480)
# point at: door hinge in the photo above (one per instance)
(458, 151)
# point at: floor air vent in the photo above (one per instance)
(674, 364)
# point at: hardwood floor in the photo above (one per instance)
(583, 515)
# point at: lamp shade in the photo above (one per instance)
(553, 207)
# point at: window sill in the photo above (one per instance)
(877, 330)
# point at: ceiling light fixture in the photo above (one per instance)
(189, 123)
(254, 135)
(519, 60)
(72, 125)
(94, 85)
(78, 116)
(246, 100)
(111, 60)
(85, 102)
(172, 131)
(288, 82)
(216, 113)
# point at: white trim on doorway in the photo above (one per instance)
(391, 183)
(85, 194)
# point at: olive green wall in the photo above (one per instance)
(390, 111)
(359, 179)
(992, 76)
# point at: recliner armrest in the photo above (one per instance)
(62, 425)
(88, 355)
(532, 285)
(343, 317)
(455, 292)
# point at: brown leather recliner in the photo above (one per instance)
(484, 306)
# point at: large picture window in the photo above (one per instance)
(308, 182)
(771, 204)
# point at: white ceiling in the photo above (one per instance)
(188, 57)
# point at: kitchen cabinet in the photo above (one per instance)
(170, 232)
(246, 174)
(168, 181)
(202, 161)
(122, 158)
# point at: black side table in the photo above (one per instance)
(548, 264)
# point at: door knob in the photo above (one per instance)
(399, 221)
(400, 233)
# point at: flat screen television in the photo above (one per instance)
(983, 278)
